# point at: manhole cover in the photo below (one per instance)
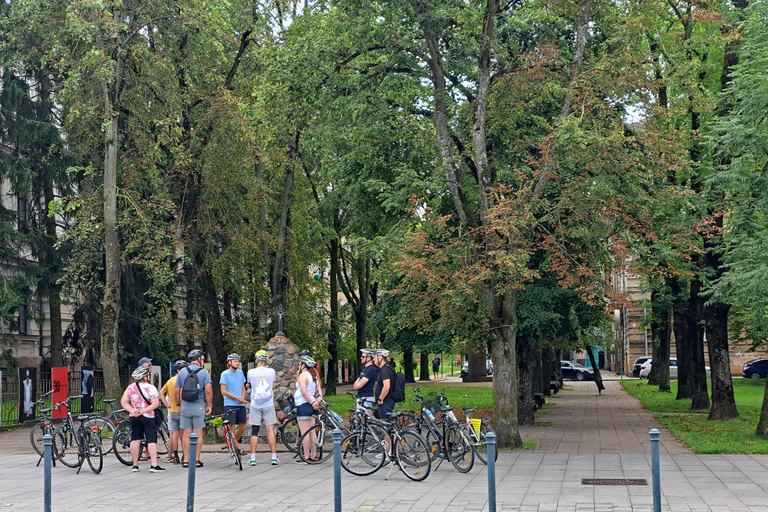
(614, 481)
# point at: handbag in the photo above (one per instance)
(159, 417)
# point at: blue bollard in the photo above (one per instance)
(490, 443)
(47, 453)
(336, 470)
(654, 434)
(191, 473)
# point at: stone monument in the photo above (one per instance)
(284, 358)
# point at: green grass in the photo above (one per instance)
(693, 428)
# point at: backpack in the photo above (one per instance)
(398, 387)
(262, 391)
(189, 390)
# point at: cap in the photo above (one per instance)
(144, 360)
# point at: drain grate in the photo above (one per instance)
(614, 481)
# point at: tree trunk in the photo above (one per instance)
(685, 356)
(424, 366)
(525, 375)
(333, 332)
(700, 397)
(596, 369)
(214, 343)
(504, 357)
(723, 399)
(277, 271)
(660, 332)
(110, 341)
(548, 362)
(408, 364)
(762, 425)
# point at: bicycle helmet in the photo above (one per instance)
(308, 361)
(233, 357)
(140, 372)
(195, 354)
(262, 355)
(367, 352)
(179, 365)
(381, 352)
(305, 353)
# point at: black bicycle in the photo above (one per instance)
(121, 441)
(80, 443)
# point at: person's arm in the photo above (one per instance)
(208, 398)
(226, 393)
(125, 401)
(385, 384)
(360, 382)
(242, 396)
(177, 388)
(164, 397)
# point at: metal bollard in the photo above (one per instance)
(654, 434)
(48, 454)
(336, 470)
(191, 473)
(490, 443)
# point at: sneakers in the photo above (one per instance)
(252, 463)
(155, 469)
(169, 460)
(275, 462)
(135, 469)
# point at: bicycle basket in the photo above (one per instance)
(432, 403)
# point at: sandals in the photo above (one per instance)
(198, 463)
(185, 464)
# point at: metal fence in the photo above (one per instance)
(10, 393)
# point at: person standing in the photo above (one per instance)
(366, 381)
(436, 367)
(168, 398)
(384, 384)
(232, 384)
(192, 414)
(140, 400)
(307, 404)
(262, 382)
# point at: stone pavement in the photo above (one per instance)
(591, 437)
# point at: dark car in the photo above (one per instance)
(757, 369)
(638, 363)
(488, 369)
(575, 371)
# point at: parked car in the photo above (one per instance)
(645, 368)
(488, 368)
(755, 369)
(575, 371)
(638, 363)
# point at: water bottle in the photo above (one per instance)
(430, 415)
(336, 416)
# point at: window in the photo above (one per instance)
(22, 215)
(23, 319)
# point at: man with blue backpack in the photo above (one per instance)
(195, 394)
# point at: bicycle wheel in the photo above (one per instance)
(93, 451)
(69, 451)
(408, 421)
(106, 430)
(234, 450)
(289, 434)
(36, 438)
(433, 444)
(459, 449)
(322, 439)
(361, 453)
(481, 449)
(121, 443)
(163, 438)
(412, 454)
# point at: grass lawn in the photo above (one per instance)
(693, 428)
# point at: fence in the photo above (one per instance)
(10, 393)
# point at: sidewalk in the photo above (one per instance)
(548, 479)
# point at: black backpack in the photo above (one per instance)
(189, 391)
(398, 387)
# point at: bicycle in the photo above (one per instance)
(79, 443)
(445, 438)
(288, 431)
(232, 446)
(322, 433)
(43, 427)
(121, 442)
(364, 452)
(107, 423)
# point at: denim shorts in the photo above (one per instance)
(306, 412)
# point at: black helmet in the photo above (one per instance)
(195, 354)
(179, 365)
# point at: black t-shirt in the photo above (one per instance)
(370, 373)
(386, 372)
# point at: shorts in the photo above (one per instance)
(142, 427)
(384, 411)
(265, 414)
(235, 414)
(173, 421)
(366, 403)
(306, 412)
(192, 416)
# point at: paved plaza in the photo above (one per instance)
(591, 436)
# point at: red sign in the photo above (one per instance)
(60, 384)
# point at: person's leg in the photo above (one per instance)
(152, 449)
(272, 439)
(239, 433)
(135, 447)
(185, 444)
(199, 432)
(312, 439)
(303, 427)
(254, 440)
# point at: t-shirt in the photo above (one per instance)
(169, 392)
(386, 372)
(253, 380)
(203, 379)
(234, 381)
(436, 363)
(138, 402)
(369, 372)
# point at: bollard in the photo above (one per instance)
(47, 453)
(336, 470)
(654, 434)
(490, 443)
(191, 473)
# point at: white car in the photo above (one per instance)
(645, 368)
